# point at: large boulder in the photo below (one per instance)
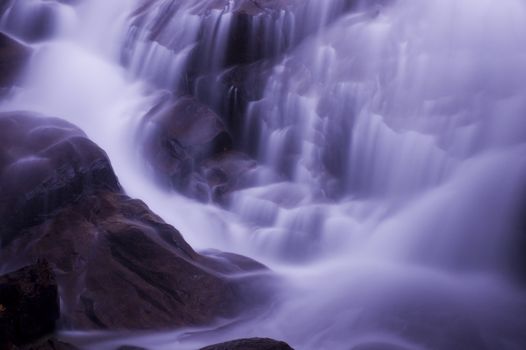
(250, 344)
(45, 164)
(29, 305)
(118, 265)
(177, 136)
(13, 57)
(121, 267)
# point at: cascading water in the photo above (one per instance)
(391, 155)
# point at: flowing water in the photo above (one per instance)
(391, 148)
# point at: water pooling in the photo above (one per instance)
(391, 161)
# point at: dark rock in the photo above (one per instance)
(177, 136)
(121, 267)
(227, 33)
(45, 164)
(29, 305)
(13, 58)
(129, 347)
(49, 344)
(118, 265)
(250, 344)
(230, 94)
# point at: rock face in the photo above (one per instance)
(13, 57)
(45, 163)
(29, 305)
(250, 344)
(118, 265)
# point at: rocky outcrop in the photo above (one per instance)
(250, 344)
(118, 265)
(45, 164)
(13, 58)
(29, 305)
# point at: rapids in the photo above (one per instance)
(391, 147)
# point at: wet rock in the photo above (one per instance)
(45, 164)
(32, 20)
(118, 265)
(226, 173)
(13, 58)
(121, 267)
(250, 344)
(48, 344)
(129, 347)
(29, 305)
(216, 34)
(230, 94)
(177, 136)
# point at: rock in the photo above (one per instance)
(177, 136)
(250, 344)
(189, 149)
(121, 267)
(49, 344)
(13, 58)
(45, 164)
(226, 173)
(32, 20)
(29, 305)
(214, 34)
(118, 265)
(231, 92)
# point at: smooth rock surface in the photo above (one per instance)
(250, 344)
(177, 136)
(45, 164)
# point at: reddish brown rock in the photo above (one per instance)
(118, 265)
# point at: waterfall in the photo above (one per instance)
(389, 139)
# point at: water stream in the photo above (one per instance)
(391, 149)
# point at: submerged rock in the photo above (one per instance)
(226, 172)
(250, 344)
(29, 305)
(118, 265)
